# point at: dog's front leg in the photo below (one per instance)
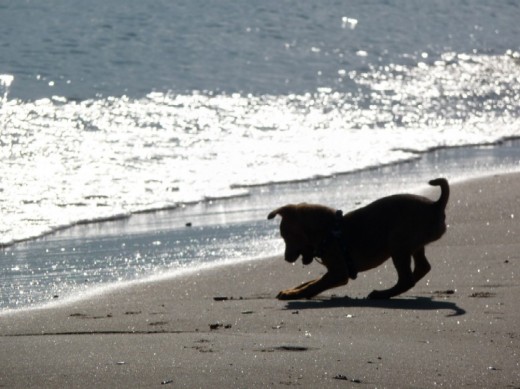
(312, 288)
(293, 291)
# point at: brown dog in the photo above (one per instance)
(397, 226)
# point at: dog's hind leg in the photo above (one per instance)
(405, 280)
(421, 265)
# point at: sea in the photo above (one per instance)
(143, 139)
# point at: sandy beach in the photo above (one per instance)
(223, 327)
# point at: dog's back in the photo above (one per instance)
(402, 222)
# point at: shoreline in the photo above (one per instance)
(212, 219)
(511, 142)
(78, 297)
(187, 271)
(457, 327)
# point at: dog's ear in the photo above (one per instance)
(307, 258)
(291, 254)
(282, 211)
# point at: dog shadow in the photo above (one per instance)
(415, 303)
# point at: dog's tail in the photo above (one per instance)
(445, 191)
(273, 214)
(282, 211)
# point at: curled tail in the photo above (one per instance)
(282, 211)
(286, 210)
(273, 214)
(445, 191)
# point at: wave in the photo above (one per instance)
(67, 162)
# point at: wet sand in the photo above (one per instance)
(223, 327)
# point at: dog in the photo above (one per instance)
(397, 227)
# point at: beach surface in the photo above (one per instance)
(223, 327)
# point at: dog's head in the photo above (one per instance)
(297, 230)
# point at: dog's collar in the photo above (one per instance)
(338, 217)
(336, 235)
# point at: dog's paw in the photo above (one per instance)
(286, 295)
(378, 295)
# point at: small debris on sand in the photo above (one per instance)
(444, 292)
(345, 378)
(220, 298)
(482, 294)
(216, 326)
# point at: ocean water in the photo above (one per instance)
(113, 109)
